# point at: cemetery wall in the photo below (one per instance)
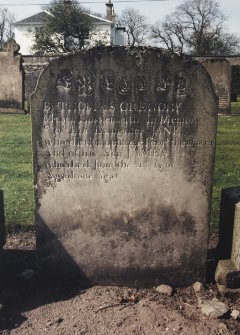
(235, 87)
(220, 73)
(32, 66)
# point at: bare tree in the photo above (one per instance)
(6, 26)
(196, 27)
(136, 26)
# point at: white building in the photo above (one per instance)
(105, 31)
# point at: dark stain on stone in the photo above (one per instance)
(148, 223)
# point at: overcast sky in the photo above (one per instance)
(154, 10)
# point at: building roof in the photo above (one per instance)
(39, 18)
(98, 18)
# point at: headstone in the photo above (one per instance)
(2, 222)
(11, 47)
(123, 145)
(229, 198)
(228, 270)
(235, 256)
(11, 80)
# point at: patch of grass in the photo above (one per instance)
(227, 162)
(16, 177)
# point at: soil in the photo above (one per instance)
(32, 308)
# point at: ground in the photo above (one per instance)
(35, 309)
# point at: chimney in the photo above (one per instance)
(109, 7)
(113, 15)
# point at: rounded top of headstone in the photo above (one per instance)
(11, 46)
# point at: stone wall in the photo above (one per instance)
(219, 70)
(11, 81)
(33, 66)
(234, 60)
(235, 87)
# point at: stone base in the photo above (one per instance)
(225, 274)
(223, 289)
(229, 198)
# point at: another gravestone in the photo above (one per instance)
(235, 254)
(123, 143)
(228, 270)
(229, 198)
(2, 222)
(11, 79)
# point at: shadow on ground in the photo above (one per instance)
(26, 283)
(19, 294)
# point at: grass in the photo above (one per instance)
(16, 179)
(227, 160)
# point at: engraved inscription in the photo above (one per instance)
(141, 84)
(87, 141)
(163, 82)
(182, 85)
(84, 84)
(107, 81)
(124, 85)
(72, 149)
(64, 80)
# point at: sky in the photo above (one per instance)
(153, 10)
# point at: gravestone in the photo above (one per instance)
(11, 79)
(230, 196)
(2, 222)
(235, 255)
(123, 147)
(228, 270)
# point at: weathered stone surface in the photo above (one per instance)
(123, 143)
(224, 267)
(2, 222)
(229, 198)
(214, 308)
(228, 271)
(164, 289)
(32, 67)
(235, 255)
(220, 72)
(11, 81)
(11, 47)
